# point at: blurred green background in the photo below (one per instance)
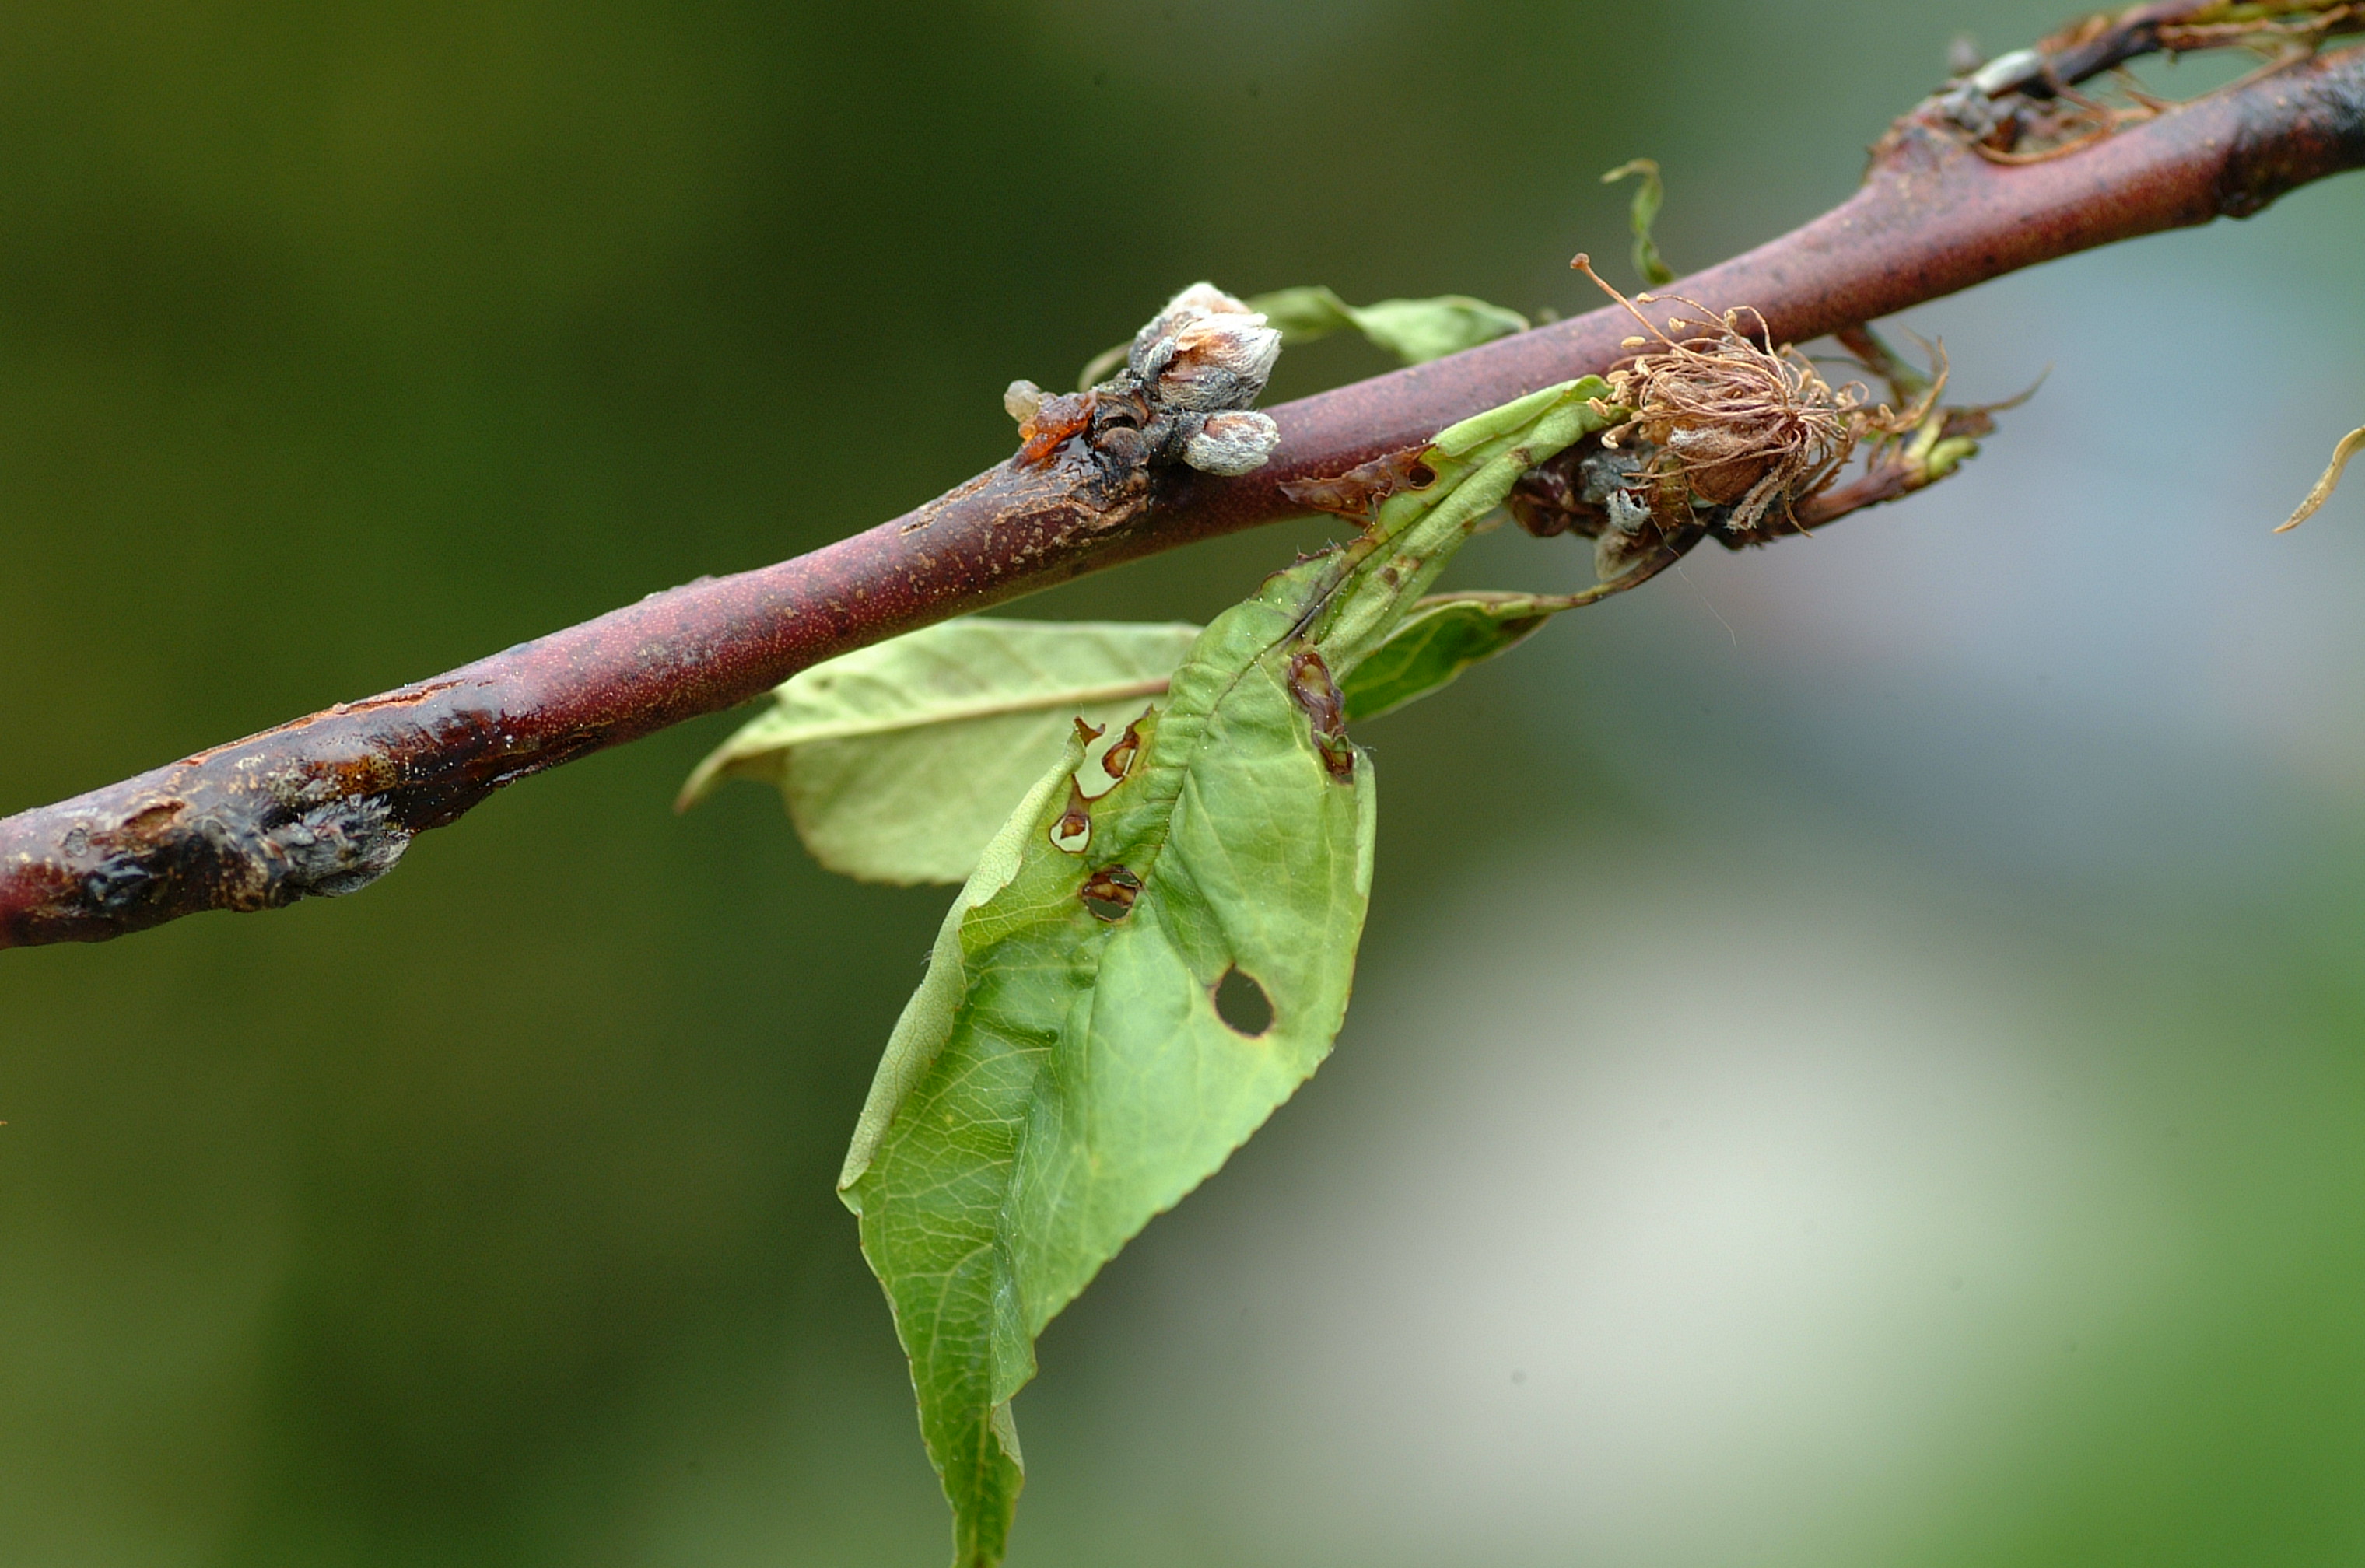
(1860, 1056)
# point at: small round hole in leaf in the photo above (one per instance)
(1242, 1005)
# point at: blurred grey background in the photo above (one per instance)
(1860, 1052)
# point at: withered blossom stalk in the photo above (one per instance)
(326, 804)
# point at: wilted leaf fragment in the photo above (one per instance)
(1357, 494)
(1063, 1073)
(2350, 445)
(899, 761)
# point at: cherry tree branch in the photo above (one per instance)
(326, 803)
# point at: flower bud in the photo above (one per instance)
(1220, 361)
(1206, 350)
(1199, 299)
(1232, 442)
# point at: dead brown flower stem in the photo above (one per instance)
(325, 803)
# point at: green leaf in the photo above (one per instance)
(1304, 314)
(1418, 330)
(1447, 634)
(1644, 212)
(1437, 642)
(1415, 331)
(1063, 1073)
(899, 760)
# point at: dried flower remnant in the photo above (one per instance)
(1731, 422)
(1182, 395)
(1726, 437)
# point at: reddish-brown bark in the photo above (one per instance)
(324, 804)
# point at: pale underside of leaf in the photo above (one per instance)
(1063, 1075)
(889, 784)
(899, 761)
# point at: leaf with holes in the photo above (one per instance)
(899, 760)
(1129, 984)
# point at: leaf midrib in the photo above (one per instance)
(977, 707)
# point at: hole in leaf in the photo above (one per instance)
(1118, 761)
(1109, 892)
(1242, 1005)
(1073, 831)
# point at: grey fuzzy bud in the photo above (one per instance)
(1235, 442)
(1199, 299)
(1219, 362)
(1206, 350)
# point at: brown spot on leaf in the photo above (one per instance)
(1109, 892)
(1326, 711)
(1118, 761)
(1073, 831)
(1357, 493)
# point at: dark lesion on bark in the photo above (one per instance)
(141, 853)
(314, 810)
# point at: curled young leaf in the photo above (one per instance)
(1641, 216)
(1065, 1071)
(899, 761)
